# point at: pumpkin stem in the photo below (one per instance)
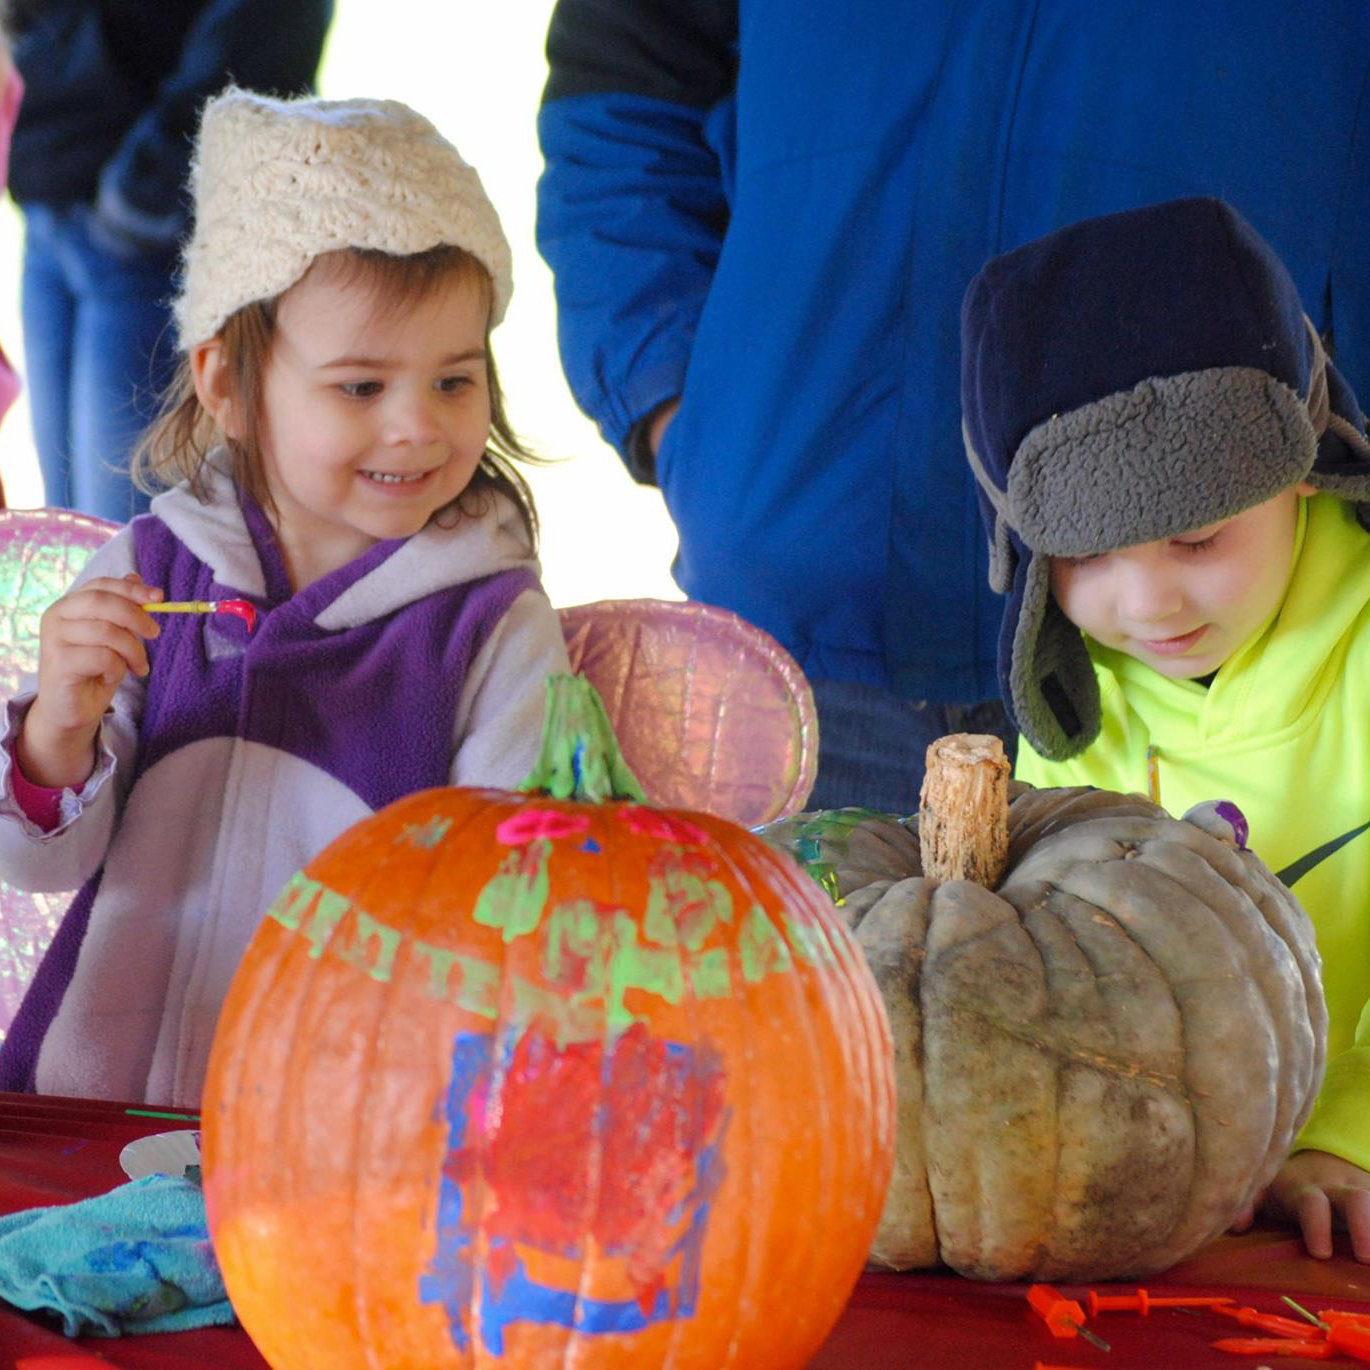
(963, 809)
(580, 758)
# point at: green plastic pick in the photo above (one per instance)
(580, 758)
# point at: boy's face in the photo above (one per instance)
(1183, 605)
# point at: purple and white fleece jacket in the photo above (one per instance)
(240, 756)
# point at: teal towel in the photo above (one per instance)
(137, 1259)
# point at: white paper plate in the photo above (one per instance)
(168, 1153)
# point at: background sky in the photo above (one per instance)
(476, 71)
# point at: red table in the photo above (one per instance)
(60, 1150)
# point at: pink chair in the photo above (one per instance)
(711, 712)
(41, 550)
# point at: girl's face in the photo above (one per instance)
(373, 418)
(1183, 605)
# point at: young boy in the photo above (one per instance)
(1175, 480)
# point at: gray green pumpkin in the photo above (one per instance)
(1101, 1060)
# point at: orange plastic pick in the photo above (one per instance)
(1143, 1303)
(1271, 1346)
(1270, 1322)
(1063, 1317)
(1351, 1336)
(1331, 1315)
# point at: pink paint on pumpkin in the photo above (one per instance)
(665, 827)
(529, 825)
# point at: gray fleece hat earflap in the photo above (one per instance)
(1123, 380)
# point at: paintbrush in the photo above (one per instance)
(239, 608)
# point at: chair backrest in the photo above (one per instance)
(711, 712)
(41, 551)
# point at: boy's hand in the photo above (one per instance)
(88, 642)
(1312, 1189)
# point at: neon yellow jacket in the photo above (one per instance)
(1283, 731)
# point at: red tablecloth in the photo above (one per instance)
(60, 1150)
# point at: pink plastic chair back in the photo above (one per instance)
(711, 712)
(41, 550)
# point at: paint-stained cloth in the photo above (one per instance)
(135, 1260)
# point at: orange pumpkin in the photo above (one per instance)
(507, 1079)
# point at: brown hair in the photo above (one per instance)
(177, 444)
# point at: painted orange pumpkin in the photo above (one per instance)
(517, 1080)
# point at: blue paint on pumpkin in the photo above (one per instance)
(508, 1294)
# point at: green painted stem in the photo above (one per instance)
(580, 758)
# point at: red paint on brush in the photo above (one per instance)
(239, 608)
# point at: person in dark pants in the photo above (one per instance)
(100, 158)
(761, 219)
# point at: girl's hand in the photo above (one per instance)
(1314, 1189)
(88, 641)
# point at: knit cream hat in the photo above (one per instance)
(278, 182)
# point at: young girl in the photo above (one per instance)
(342, 457)
(1175, 479)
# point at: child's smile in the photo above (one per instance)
(1184, 604)
(1173, 646)
(400, 481)
(400, 487)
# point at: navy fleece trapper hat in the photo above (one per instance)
(1123, 380)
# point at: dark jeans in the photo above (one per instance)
(99, 351)
(871, 743)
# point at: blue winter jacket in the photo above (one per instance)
(772, 208)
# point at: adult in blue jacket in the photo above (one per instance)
(768, 213)
(99, 163)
